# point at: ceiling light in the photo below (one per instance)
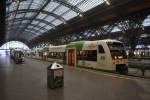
(81, 15)
(107, 2)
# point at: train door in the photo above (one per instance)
(71, 57)
(101, 56)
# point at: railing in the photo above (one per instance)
(140, 63)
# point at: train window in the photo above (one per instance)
(115, 46)
(101, 49)
(57, 55)
(89, 55)
(117, 49)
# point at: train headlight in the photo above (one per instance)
(120, 57)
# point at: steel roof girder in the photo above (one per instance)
(69, 5)
(41, 20)
(30, 25)
(43, 11)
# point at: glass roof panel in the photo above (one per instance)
(42, 24)
(23, 5)
(25, 21)
(51, 6)
(21, 26)
(38, 2)
(16, 22)
(57, 22)
(48, 27)
(75, 2)
(49, 18)
(30, 26)
(32, 31)
(42, 28)
(36, 28)
(19, 15)
(13, 7)
(89, 4)
(69, 15)
(29, 14)
(61, 10)
(35, 22)
(11, 17)
(41, 16)
(34, 6)
(27, 30)
(42, 31)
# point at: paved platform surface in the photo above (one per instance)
(27, 81)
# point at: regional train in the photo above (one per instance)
(108, 54)
(17, 55)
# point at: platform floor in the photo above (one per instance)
(28, 81)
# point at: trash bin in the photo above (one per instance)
(55, 75)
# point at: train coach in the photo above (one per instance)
(105, 54)
(17, 55)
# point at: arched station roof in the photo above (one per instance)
(41, 21)
(27, 19)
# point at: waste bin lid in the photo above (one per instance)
(56, 66)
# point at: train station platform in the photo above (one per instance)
(28, 81)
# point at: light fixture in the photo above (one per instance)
(107, 2)
(81, 15)
(64, 22)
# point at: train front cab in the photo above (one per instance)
(118, 58)
(18, 57)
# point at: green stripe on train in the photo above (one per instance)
(78, 45)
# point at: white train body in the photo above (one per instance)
(102, 54)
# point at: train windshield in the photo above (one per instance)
(117, 50)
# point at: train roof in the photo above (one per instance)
(80, 45)
(60, 48)
(104, 40)
(57, 46)
(109, 40)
